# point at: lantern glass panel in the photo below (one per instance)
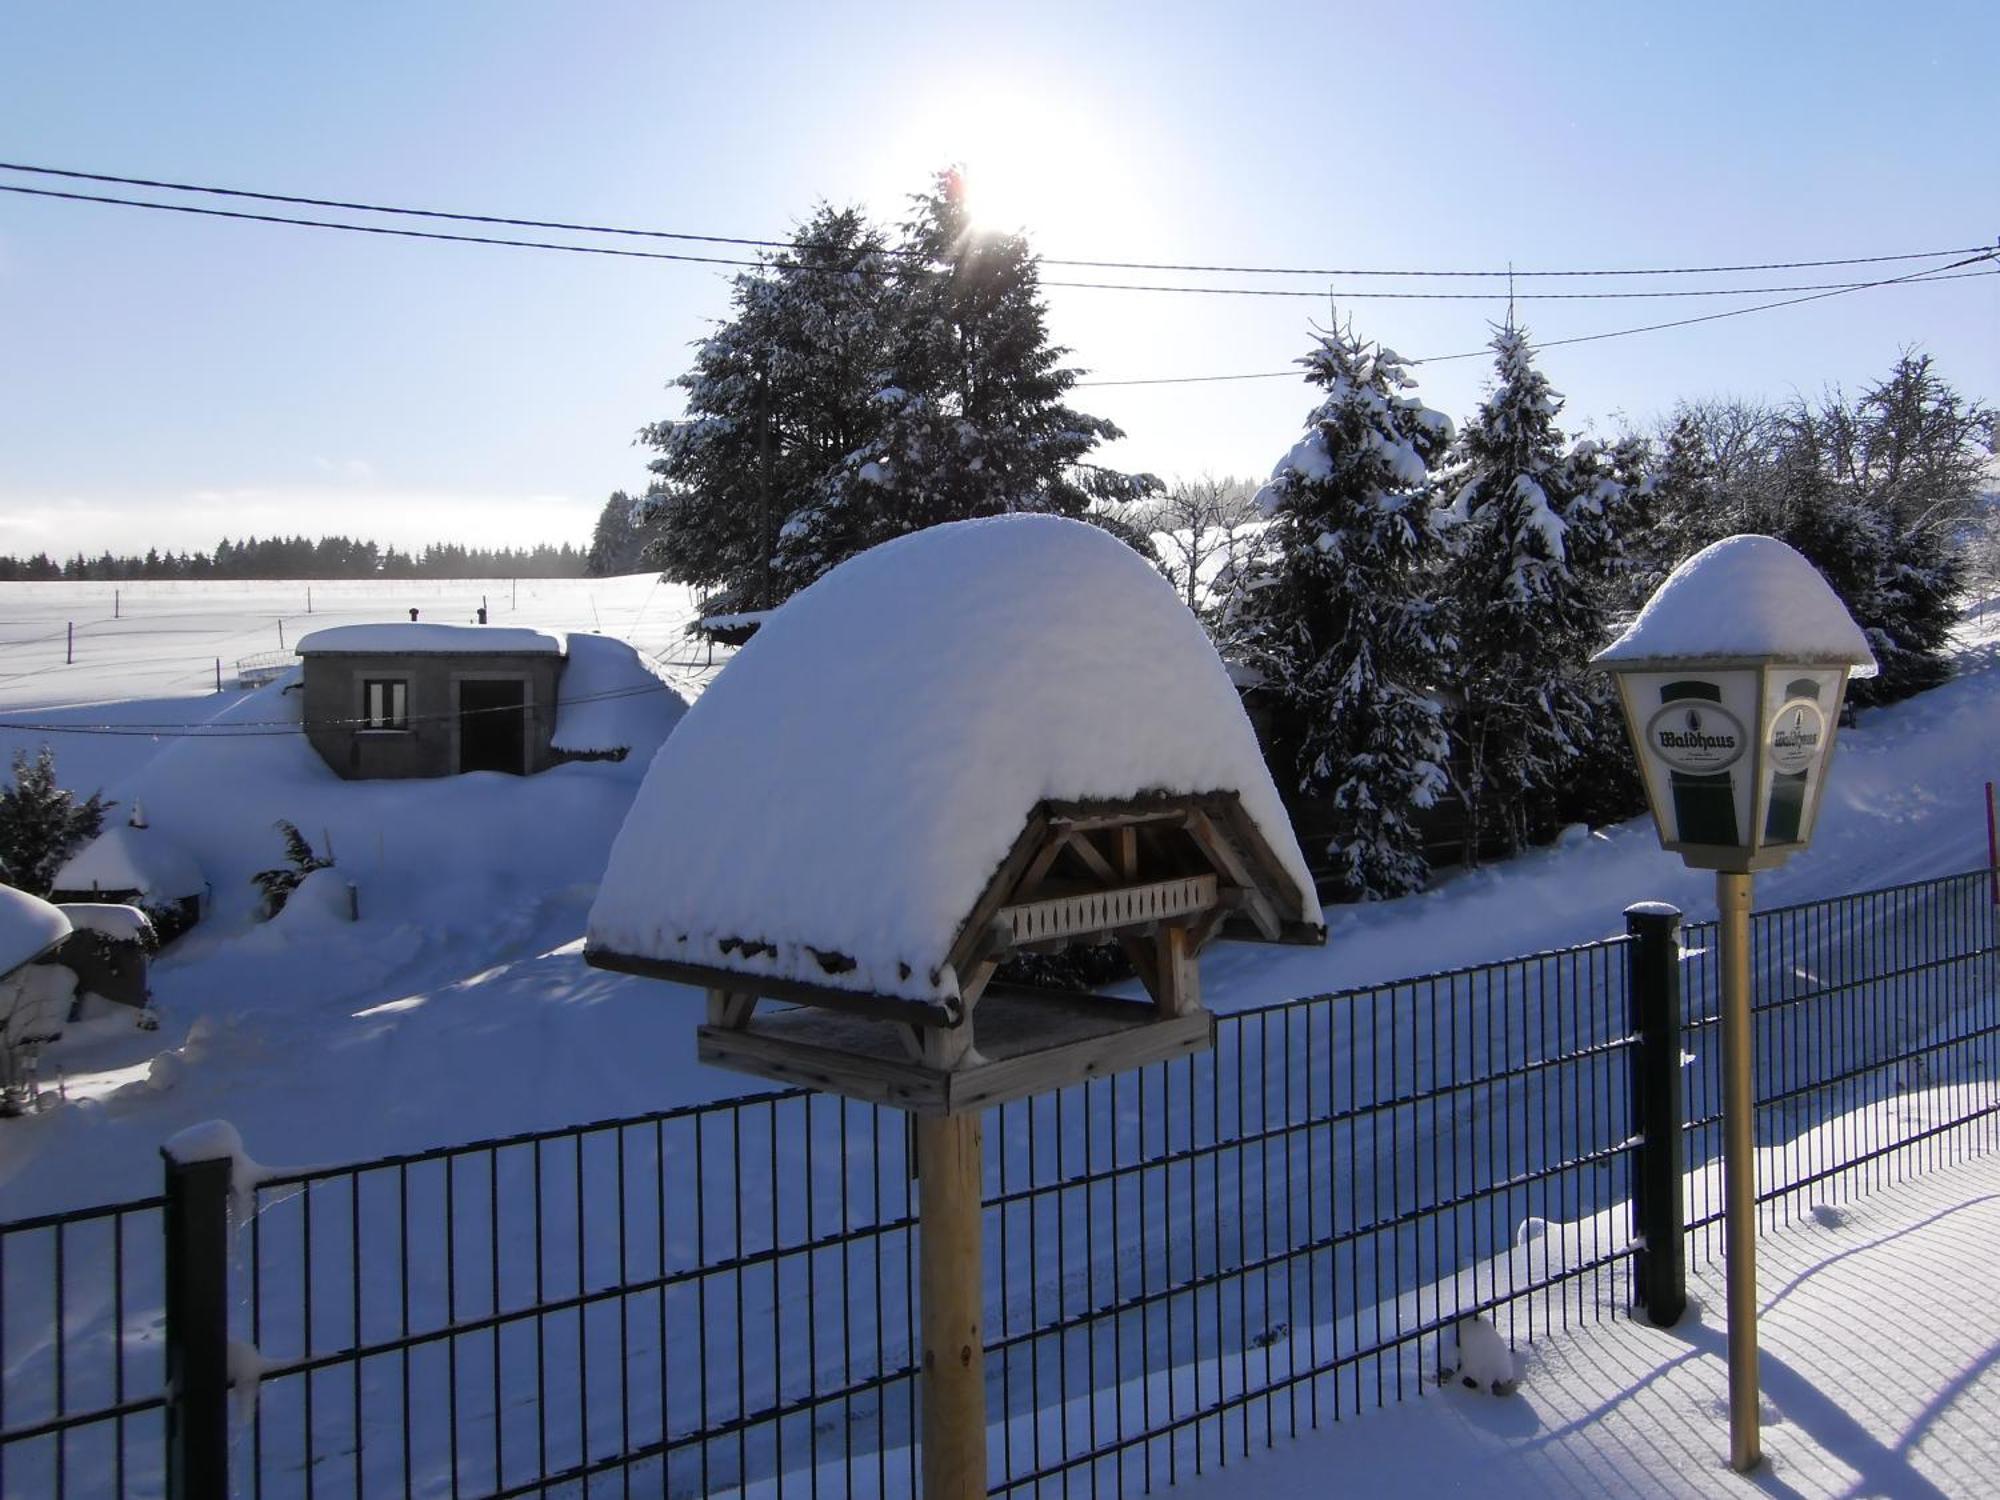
(1801, 708)
(1696, 744)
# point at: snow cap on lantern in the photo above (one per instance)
(1731, 679)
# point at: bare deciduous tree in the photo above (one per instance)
(1201, 527)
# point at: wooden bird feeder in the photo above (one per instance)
(987, 740)
(1160, 876)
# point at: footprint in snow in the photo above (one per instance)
(1829, 1217)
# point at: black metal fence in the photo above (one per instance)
(1183, 1263)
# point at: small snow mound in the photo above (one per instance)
(211, 1140)
(1484, 1361)
(164, 1073)
(1744, 596)
(320, 900)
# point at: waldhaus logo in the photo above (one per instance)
(1796, 733)
(1701, 739)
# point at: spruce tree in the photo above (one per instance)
(779, 395)
(1332, 615)
(973, 420)
(1532, 537)
(41, 825)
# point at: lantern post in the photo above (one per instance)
(1731, 681)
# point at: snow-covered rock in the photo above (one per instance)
(1744, 596)
(854, 779)
(29, 927)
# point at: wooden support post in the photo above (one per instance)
(1178, 991)
(954, 1368)
(1739, 1170)
(730, 1009)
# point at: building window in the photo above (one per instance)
(385, 703)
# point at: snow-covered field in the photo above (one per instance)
(459, 1006)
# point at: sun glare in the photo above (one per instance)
(1030, 165)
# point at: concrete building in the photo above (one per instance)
(407, 700)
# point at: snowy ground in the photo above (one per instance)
(1880, 1370)
(459, 1007)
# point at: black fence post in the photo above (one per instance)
(197, 1328)
(1658, 1212)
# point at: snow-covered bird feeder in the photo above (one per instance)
(1731, 680)
(988, 739)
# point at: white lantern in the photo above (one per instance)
(1732, 680)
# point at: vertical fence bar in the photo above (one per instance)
(197, 1328)
(1658, 1213)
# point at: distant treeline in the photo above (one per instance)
(301, 557)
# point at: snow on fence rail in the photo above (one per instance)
(1185, 1262)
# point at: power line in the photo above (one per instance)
(718, 260)
(752, 242)
(1913, 278)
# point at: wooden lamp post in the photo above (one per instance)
(845, 852)
(1731, 680)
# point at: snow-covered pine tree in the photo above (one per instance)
(973, 421)
(779, 395)
(41, 824)
(1532, 537)
(1331, 614)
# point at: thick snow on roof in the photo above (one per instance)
(855, 777)
(1744, 596)
(125, 924)
(405, 638)
(28, 926)
(610, 699)
(125, 858)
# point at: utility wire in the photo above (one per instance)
(1099, 286)
(1913, 278)
(751, 242)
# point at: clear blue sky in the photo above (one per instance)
(165, 381)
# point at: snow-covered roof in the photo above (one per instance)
(1745, 596)
(407, 638)
(125, 858)
(124, 924)
(29, 927)
(610, 699)
(853, 782)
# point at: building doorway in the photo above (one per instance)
(492, 725)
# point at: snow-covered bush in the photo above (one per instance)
(279, 883)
